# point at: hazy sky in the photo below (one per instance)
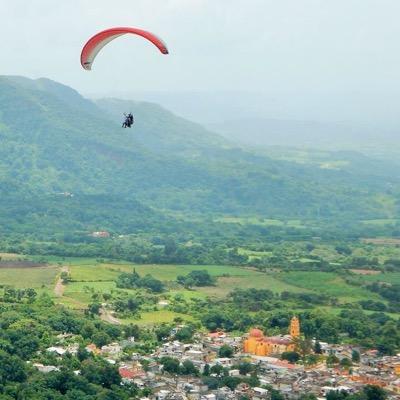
(299, 54)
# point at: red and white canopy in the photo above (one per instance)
(98, 41)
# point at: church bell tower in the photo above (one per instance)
(294, 329)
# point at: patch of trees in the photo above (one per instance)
(251, 299)
(173, 366)
(364, 262)
(291, 356)
(226, 351)
(392, 264)
(372, 305)
(343, 249)
(196, 278)
(12, 295)
(130, 304)
(368, 392)
(135, 281)
(218, 376)
(390, 292)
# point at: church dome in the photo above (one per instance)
(256, 333)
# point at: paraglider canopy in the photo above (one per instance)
(98, 41)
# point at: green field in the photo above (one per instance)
(108, 272)
(89, 276)
(389, 277)
(101, 277)
(252, 279)
(156, 317)
(37, 278)
(328, 283)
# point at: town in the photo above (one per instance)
(217, 365)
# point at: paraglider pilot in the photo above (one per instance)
(128, 121)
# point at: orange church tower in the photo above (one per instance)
(294, 328)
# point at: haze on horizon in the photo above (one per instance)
(335, 60)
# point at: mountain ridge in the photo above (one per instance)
(66, 143)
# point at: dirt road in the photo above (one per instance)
(107, 316)
(59, 288)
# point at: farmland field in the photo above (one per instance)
(37, 277)
(252, 279)
(108, 272)
(328, 283)
(157, 317)
(89, 276)
(101, 277)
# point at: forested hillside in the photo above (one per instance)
(55, 141)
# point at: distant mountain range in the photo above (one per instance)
(55, 141)
(311, 134)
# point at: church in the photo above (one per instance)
(258, 344)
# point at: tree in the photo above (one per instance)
(185, 334)
(170, 246)
(276, 395)
(65, 277)
(225, 351)
(245, 368)
(94, 308)
(312, 359)
(151, 283)
(162, 332)
(82, 354)
(100, 372)
(290, 356)
(31, 295)
(231, 382)
(188, 368)
(345, 363)
(317, 347)
(206, 371)
(374, 392)
(332, 360)
(196, 278)
(355, 356)
(170, 365)
(217, 369)
(211, 382)
(12, 369)
(100, 339)
(343, 249)
(308, 396)
(303, 347)
(336, 395)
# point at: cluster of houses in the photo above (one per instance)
(291, 380)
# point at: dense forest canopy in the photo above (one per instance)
(68, 169)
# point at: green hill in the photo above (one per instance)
(55, 141)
